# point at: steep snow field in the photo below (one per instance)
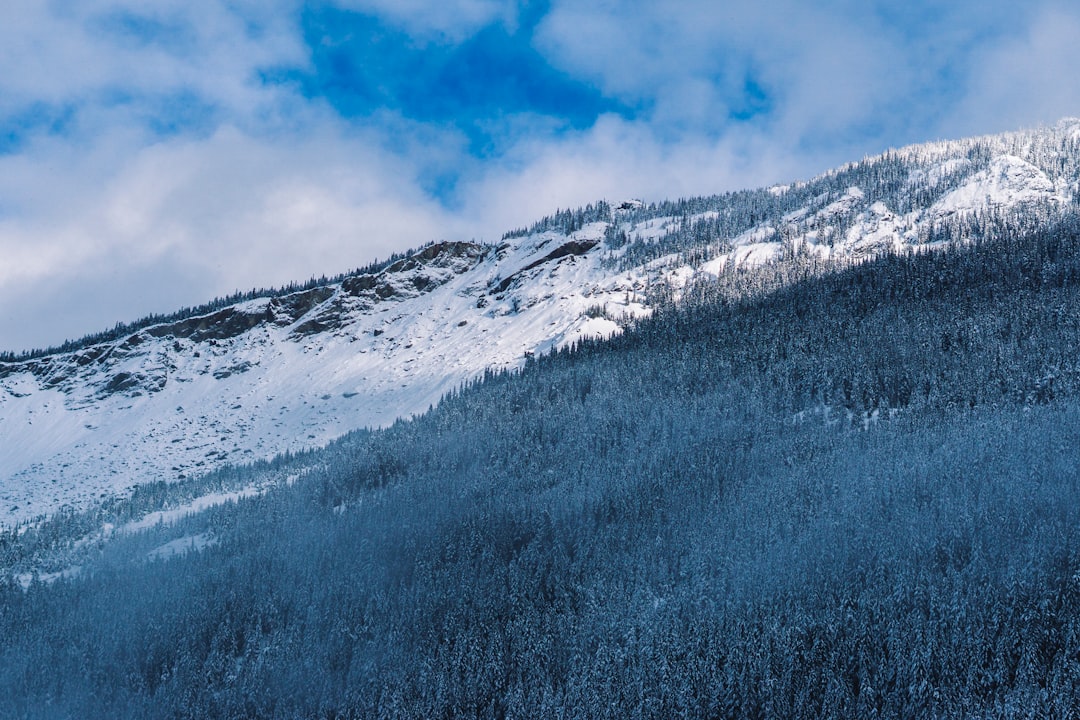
(158, 405)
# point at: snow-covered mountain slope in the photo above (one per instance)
(290, 372)
(296, 370)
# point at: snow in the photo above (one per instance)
(25, 579)
(1008, 182)
(850, 199)
(162, 406)
(716, 265)
(174, 515)
(269, 390)
(181, 546)
(654, 229)
(757, 253)
(938, 173)
(601, 328)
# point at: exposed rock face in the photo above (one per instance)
(408, 278)
(574, 247)
(221, 325)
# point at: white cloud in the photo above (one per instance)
(82, 55)
(616, 160)
(233, 211)
(1025, 81)
(823, 68)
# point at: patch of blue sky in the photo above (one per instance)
(755, 101)
(363, 65)
(35, 120)
(179, 112)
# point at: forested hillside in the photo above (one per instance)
(848, 494)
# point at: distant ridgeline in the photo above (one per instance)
(123, 329)
(906, 181)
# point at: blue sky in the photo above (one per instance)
(154, 155)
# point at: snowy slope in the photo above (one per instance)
(278, 374)
(295, 371)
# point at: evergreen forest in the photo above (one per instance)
(838, 492)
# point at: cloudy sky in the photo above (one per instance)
(155, 155)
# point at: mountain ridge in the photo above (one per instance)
(295, 370)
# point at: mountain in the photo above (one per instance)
(842, 482)
(294, 370)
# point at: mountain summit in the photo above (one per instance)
(295, 370)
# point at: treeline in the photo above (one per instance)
(122, 329)
(906, 180)
(565, 221)
(990, 322)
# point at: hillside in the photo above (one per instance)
(293, 370)
(852, 494)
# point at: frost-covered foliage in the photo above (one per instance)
(908, 181)
(565, 221)
(854, 496)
